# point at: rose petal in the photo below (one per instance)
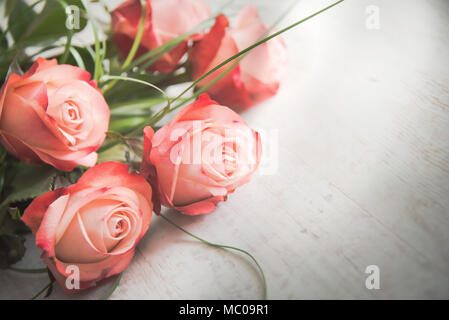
(201, 207)
(205, 108)
(17, 147)
(114, 174)
(48, 71)
(169, 24)
(34, 213)
(25, 123)
(162, 24)
(187, 192)
(77, 201)
(203, 52)
(148, 170)
(75, 246)
(266, 62)
(9, 82)
(46, 234)
(89, 161)
(90, 273)
(39, 65)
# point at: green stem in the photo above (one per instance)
(78, 58)
(68, 43)
(138, 104)
(254, 46)
(112, 289)
(134, 47)
(207, 86)
(155, 54)
(41, 270)
(42, 290)
(176, 79)
(107, 77)
(238, 58)
(223, 247)
(97, 71)
(233, 65)
(138, 38)
(158, 115)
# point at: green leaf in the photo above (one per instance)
(20, 15)
(73, 175)
(13, 226)
(12, 241)
(126, 124)
(82, 58)
(12, 249)
(15, 213)
(116, 153)
(50, 23)
(135, 145)
(9, 6)
(29, 182)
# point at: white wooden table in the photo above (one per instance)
(363, 176)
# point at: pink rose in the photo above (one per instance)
(166, 20)
(256, 77)
(201, 156)
(94, 224)
(53, 114)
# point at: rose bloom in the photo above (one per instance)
(201, 156)
(165, 20)
(256, 77)
(94, 224)
(53, 114)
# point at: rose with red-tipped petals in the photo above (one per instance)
(201, 156)
(256, 77)
(93, 225)
(53, 114)
(165, 20)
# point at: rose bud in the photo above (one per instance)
(201, 156)
(256, 77)
(165, 20)
(53, 114)
(92, 226)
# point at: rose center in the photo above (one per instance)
(118, 225)
(70, 115)
(229, 158)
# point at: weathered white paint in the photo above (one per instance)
(363, 179)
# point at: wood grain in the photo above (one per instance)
(363, 177)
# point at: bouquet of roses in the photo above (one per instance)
(85, 159)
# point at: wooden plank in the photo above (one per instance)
(363, 175)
